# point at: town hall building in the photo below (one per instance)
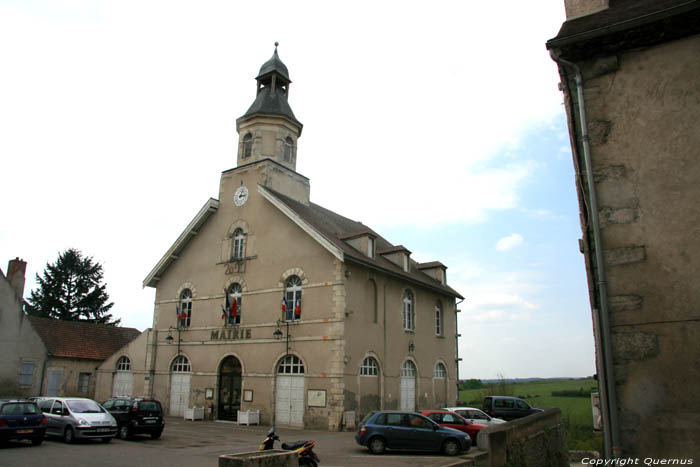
(268, 301)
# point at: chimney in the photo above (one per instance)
(16, 269)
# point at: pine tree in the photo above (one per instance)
(71, 290)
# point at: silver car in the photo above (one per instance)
(77, 418)
(473, 415)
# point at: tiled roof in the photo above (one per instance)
(80, 339)
(335, 227)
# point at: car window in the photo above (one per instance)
(416, 421)
(523, 405)
(57, 408)
(366, 417)
(435, 416)
(449, 418)
(499, 403)
(150, 406)
(477, 414)
(83, 406)
(508, 403)
(46, 406)
(381, 419)
(394, 419)
(120, 405)
(14, 409)
(108, 405)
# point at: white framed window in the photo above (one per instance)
(235, 297)
(84, 383)
(292, 299)
(288, 147)
(237, 248)
(440, 371)
(247, 145)
(185, 308)
(409, 323)
(369, 367)
(370, 247)
(290, 365)
(438, 319)
(408, 369)
(405, 262)
(26, 374)
(181, 365)
(124, 364)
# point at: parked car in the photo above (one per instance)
(508, 408)
(408, 430)
(21, 419)
(474, 415)
(78, 418)
(136, 416)
(453, 420)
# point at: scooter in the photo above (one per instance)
(305, 449)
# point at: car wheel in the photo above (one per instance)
(450, 447)
(107, 440)
(124, 432)
(156, 434)
(376, 445)
(37, 441)
(68, 435)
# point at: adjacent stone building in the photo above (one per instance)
(268, 301)
(630, 72)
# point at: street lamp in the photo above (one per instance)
(278, 333)
(170, 338)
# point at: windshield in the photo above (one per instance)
(83, 406)
(19, 409)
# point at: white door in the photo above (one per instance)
(179, 393)
(54, 382)
(123, 383)
(408, 386)
(289, 405)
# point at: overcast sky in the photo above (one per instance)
(438, 124)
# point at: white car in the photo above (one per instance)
(473, 415)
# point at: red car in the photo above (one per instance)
(452, 420)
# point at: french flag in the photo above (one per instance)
(284, 304)
(234, 307)
(297, 308)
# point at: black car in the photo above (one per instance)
(408, 430)
(136, 416)
(21, 419)
(508, 408)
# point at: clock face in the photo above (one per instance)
(241, 196)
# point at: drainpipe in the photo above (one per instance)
(608, 401)
(457, 342)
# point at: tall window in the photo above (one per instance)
(235, 296)
(438, 319)
(409, 319)
(292, 299)
(83, 383)
(247, 145)
(291, 365)
(440, 371)
(181, 365)
(288, 145)
(369, 367)
(238, 242)
(123, 364)
(408, 369)
(26, 374)
(185, 308)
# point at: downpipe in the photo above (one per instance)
(608, 401)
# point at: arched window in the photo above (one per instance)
(247, 145)
(291, 303)
(408, 369)
(288, 146)
(181, 365)
(290, 365)
(238, 250)
(369, 367)
(409, 321)
(235, 300)
(440, 371)
(185, 308)
(438, 319)
(124, 364)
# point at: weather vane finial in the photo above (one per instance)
(276, 44)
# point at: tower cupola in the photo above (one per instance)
(269, 129)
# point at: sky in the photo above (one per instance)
(438, 124)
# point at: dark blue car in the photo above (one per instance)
(388, 429)
(21, 419)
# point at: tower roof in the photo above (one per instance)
(274, 64)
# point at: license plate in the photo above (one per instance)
(149, 421)
(102, 430)
(25, 431)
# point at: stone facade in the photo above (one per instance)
(639, 75)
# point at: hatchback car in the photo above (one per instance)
(383, 430)
(77, 418)
(136, 416)
(452, 420)
(474, 415)
(21, 419)
(508, 408)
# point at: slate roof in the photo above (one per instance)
(80, 339)
(335, 227)
(267, 103)
(626, 24)
(274, 64)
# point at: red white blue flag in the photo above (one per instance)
(234, 308)
(284, 304)
(297, 308)
(224, 310)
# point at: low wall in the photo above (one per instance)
(270, 458)
(538, 440)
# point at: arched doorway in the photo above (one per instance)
(180, 386)
(408, 386)
(229, 388)
(289, 401)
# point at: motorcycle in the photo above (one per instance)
(304, 449)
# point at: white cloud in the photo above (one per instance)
(509, 242)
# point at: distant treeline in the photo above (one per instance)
(580, 392)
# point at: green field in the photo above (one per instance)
(577, 414)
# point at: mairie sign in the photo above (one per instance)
(229, 334)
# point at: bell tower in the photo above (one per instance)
(269, 129)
